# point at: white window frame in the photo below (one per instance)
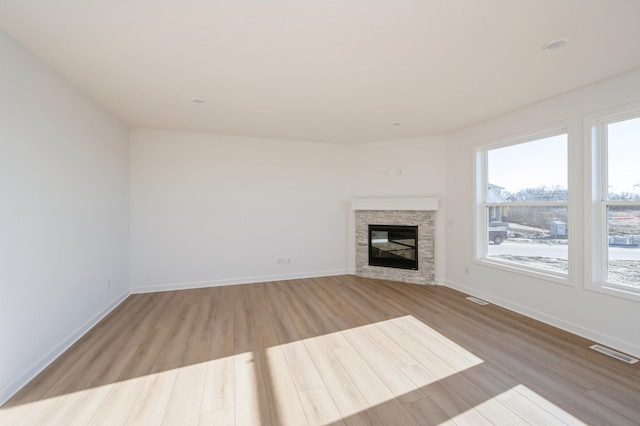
(481, 184)
(596, 203)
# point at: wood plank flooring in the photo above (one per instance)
(325, 351)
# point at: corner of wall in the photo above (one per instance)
(19, 382)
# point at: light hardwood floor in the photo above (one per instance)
(330, 351)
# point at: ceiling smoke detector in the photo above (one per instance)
(555, 44)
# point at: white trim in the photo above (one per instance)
(237, 281)
(615, 114)
(565, 127)
(479, 236)
(596, 201)
(620, 345)
(611, 289)
(426, 203)
(574, 162)
(556, 128)
(529, 204)
(541, 274)
(620, 203)
(14, 387)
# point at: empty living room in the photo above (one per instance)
(319, 212)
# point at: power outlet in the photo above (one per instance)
(283, 260)
(109, 283)
(466, 270)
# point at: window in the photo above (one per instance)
(522, 220)
(615, 200)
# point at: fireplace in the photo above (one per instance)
(418, 214)
(393, 246)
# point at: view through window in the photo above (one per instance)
(621, 202)
(526, 203)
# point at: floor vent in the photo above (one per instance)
(614, 354)
(476, 300)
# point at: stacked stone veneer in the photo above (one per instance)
(424, 220)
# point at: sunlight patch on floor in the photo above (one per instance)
(318, 380)
(149, 399)
(62, 409)
(518, 405)
(341, 374)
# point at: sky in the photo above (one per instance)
(624, 156)
(519, 166)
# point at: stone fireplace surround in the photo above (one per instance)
(396, 211)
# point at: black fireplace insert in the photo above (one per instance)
(393, 246)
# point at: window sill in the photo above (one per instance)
(610, 290)
(554, 277)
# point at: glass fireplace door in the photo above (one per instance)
(393, 246)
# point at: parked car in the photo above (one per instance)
(498, 234)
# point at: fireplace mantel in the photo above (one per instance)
(395, 204)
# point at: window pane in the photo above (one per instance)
(536, 237)
(624, 245)
(532, 171)
(623, 140)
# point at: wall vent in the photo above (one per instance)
(614, 354)
(476, 300)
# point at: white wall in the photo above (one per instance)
(608, 319)
(401, 168)
(63, 215)
(211, 210)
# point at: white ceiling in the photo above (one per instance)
(340, 71)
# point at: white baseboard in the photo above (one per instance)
(620, 345)
(12, 388)
(236, 281)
